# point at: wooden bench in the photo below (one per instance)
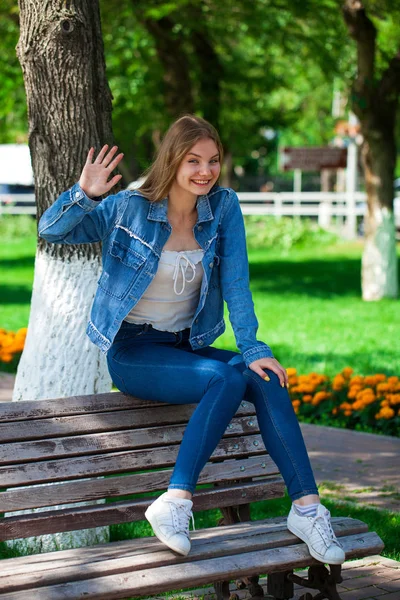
(134, 445)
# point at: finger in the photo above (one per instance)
(107, 160)
(115, 162)
(113, 181)
(278, 370)
(260, 372)
(101, 154)
(89, 158)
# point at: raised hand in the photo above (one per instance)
(94, 177)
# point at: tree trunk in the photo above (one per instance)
(379, 261)
(375, 103)
(69, 107)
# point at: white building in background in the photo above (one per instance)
(15, 165)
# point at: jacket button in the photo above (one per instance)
(196, 320)
(201, 342)
(200, 228)
(77, 195)
(211, 265)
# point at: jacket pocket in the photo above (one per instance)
(121, 267)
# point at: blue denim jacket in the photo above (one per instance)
(133, 231)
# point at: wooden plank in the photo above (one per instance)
(112, 487)
(82, 405)
(166, 414)
(125, 548)
(145, 553)
(117, 462)
(82, 517)
(162, 579)
(80, 445)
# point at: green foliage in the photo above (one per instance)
(264, 231)
(13, 227)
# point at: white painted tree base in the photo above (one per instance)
(60, 361)
(379, 261)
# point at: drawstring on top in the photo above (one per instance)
(182, 266)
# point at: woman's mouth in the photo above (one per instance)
(201, 182)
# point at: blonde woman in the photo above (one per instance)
(173, 251)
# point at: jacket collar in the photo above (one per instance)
(158, 210)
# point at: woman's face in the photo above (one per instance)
(200, 168)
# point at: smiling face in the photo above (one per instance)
(199, 170)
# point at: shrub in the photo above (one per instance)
(266, 231)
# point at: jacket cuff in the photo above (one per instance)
(78, 196)
(262, 351)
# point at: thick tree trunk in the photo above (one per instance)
(375, 103)
(69, 106)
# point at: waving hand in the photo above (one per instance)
(94, 177)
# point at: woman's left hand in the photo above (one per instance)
(272, 364)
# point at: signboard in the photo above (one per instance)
(313, 158)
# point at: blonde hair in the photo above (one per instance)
(179, 139)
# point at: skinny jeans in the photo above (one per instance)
(161, 366)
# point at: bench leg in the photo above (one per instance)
(222, 591)
(280, 586)
(319, 578)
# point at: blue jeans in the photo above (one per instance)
(161, 366)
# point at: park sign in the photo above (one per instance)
(313, 158)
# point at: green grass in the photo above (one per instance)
(307, 300)
(17, 257)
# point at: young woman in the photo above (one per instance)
(173, 251)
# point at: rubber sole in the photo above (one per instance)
(314, 554)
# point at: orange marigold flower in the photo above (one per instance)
(356, 380)
(345, 406)
(296, 403)
(348, 413)
(338, 382)
(307, 398)
(290, 371)
(347, 372)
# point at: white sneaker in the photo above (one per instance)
(318, 534)
(169, 518)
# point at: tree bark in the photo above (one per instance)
(69, 108)
(375, 103)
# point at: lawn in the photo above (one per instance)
(307, 300)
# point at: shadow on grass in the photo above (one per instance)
(322, 278)
(19, 262)
(325, 277)
(15, 294)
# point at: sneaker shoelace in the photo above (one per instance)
(324, 527)
(181, 517)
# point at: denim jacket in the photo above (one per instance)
(133, 231)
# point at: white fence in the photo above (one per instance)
(332, 210)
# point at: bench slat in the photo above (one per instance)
(96, 489)
(145, 553)
(166, 414)
(75, 405)
(82, 517)
(117, 462)
(160, 579)
(151, 437)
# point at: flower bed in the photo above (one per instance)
(366, 403)
(11, 345)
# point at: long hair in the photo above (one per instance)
(179, 139)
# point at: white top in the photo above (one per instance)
(170, 301)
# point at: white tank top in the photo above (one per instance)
(170, 301)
